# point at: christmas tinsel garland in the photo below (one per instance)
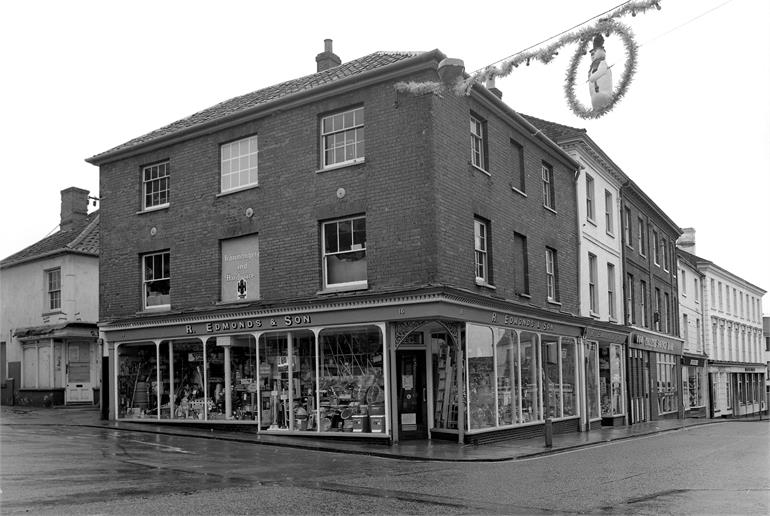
(545, 55)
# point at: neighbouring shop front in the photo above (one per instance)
(605, 359)
(427, 370)
(60, 364)
(654, 376)
(694, 385)
(737, 389)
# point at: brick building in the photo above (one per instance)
(651, 307)
(319, 256)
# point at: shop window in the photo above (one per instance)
(530, 377)
(238, 164)
(287, 381)
(552, 372)
(137, 381)
(481, 378)
(695, 382)
(344, 253)
(611, 379)
(351, 384)
(342, 138)
(157, 280)
(508, 388)
(444, 357)
(667, 383)
(36, 365)
(567, 350)
(592, 379)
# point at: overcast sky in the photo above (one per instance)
(693, 130)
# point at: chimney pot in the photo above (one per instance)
(74, 207)
(327, 59)
(450, 69)
(492, 88)
(686, 241)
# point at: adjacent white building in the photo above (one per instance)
(694, 359)
(49, 307)
(732, 314)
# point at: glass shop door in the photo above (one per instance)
(412, 417)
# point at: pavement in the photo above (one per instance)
(422, 450)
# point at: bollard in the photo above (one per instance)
(548, 433)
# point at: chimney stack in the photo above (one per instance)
(686, 242)
(492, 88)
(74, 207)
(327, 59)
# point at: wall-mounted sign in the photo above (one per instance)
(240, 269)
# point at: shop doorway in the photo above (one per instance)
(412, 417)
(79, 388)
(639, 383)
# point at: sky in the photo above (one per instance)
(693, 130)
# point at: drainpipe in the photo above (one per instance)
(460, 392)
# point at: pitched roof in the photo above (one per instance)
(83, 238)
(554, 131)
(252, 100)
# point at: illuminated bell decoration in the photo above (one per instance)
(599, 75)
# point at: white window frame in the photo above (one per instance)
(683, 281)
(343, 130)
(478, 142)
(165, 267)
(590, 212)
(481, 250)
(156, 183)
(642, 236)
(551, 275)
(609, 221)
(354, 248)
(664, 246)
(237, 158)
(611, 290)
(643, 303)
(53, 289)
(655, 248)
(628, 230)
(593, 301)
(548, 186)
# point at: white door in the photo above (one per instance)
(79, 389)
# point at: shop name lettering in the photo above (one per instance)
(251, 324)
(521, 322)
(653, 343)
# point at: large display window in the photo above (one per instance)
(666, 382)
(137, 385)
(481, 378)
(592, 379)
(611, 379)
(508, 391)
(351, 383)
(693, 379)
(444, 360)
(531, 402)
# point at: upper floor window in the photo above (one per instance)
(664, 247)
(643, 303)
(658, 308)
(611, 290)
(713, 294)
(589, 197)
(518, 174)
(655, 248)
(641, 237)
(592, 273)
(157, 280)
(667, 307)
(683, 281)
(727, 301)
(342, 137)
(520, 264)
(344, 252)
(685, 329)
(696, 289)
(480, 244)
(155, 185)
(608, 219)
(630, 300)
(478, 142)
(551, 274)
(548, 186)
(238, 164)
(627, 229)
(719, 293)
(53, 281)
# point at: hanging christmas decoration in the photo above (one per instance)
(603, 98)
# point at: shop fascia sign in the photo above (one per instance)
(287, 321)
(521, 322)
(655, 343)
